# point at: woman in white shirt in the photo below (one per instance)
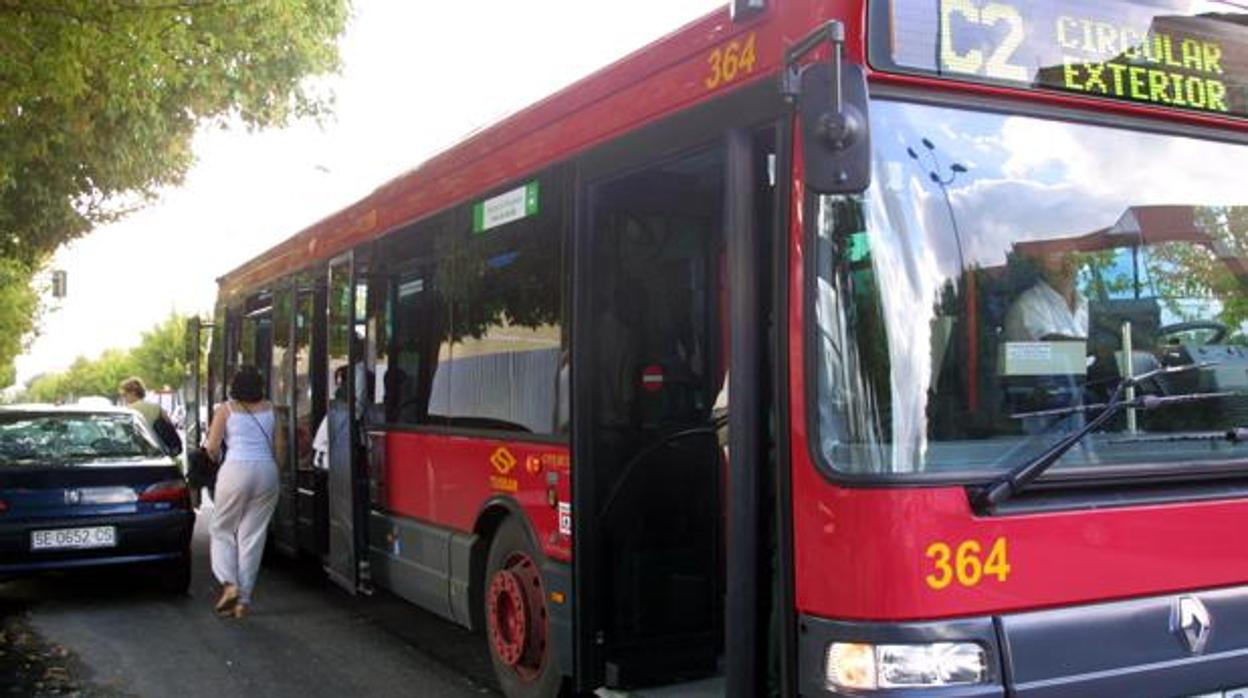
(247, 488)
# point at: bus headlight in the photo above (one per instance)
(864, 666)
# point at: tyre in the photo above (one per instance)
(174, 577)
(516, 622)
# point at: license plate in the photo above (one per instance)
(74, 538)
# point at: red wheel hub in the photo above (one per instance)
(516, 616)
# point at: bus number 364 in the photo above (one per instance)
(730, 62)
(966, 563)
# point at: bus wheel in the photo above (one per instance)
(516, 625)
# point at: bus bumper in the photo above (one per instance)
(1183, 644)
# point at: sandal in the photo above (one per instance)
(239, 610)
(228, 601)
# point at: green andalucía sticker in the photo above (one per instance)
(509, 206)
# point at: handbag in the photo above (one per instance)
(201, 470)
(168, 434)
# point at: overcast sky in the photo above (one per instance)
(417, 77)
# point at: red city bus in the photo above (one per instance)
(821, 347)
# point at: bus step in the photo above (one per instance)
(703, 688)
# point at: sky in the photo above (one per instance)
(417, 77)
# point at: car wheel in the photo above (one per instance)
(174, 577)
(516, 622)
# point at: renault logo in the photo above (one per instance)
(1189, 619)
(73, 497)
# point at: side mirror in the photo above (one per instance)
(836, 144)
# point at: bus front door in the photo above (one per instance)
(656, 458)
(673, 553)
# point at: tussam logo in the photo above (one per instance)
(502, 460)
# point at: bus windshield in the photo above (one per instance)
(1004, 273)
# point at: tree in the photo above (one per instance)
(99, 100)
(85, 377)
(160, 358)
(18, 304)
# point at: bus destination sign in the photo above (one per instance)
(1185, 54)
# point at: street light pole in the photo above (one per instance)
(943, 179)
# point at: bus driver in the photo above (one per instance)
(1052, 309)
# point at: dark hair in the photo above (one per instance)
(247, 385)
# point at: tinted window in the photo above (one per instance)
(507, 327)
(304, 426)
(477, 315)
(283, 309)
(420, 355)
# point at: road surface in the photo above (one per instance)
(104, 635)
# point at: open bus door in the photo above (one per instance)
(673, 547)
(347, 375)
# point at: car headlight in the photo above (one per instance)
(865, 666)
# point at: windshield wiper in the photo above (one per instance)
(1149, 402)
(1120, 389)
(1017, 479)
(1238, 435)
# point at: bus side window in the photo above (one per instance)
(416, 380)
(508, 331)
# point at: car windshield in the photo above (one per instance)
(1004, 273)
(72, 438)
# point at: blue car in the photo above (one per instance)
(86, 487)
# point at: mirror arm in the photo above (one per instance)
(831, 100)
(833, 34)
(838, 127)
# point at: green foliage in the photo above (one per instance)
(159, 359)
(85, 377)
(102, 97)
(1209, 270)
(18, 305)
(1200, 278)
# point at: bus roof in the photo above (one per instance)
(668, 75)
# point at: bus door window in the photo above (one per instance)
(218, 356)
(341, 301)
(311, 501)
(282, 395)
(280, 382)
(378, 324)
(362, 344)
(301, 349)
(233, 348)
